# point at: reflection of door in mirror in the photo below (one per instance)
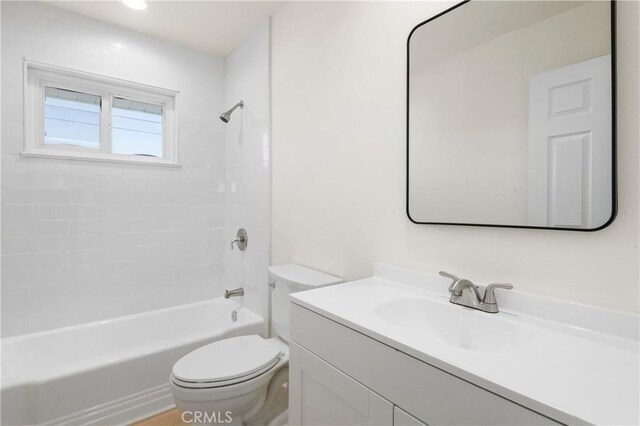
(570, 145)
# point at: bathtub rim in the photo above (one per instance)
(213, 300)
(36, 377)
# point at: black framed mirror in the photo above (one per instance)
(511, 115)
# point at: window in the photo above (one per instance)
(71, 118)
(137, 128)
(75, 115)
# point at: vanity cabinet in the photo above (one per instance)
(330, 396)
(333, 398)
(339, 376)
(402, 418)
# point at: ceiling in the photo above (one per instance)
(213, 27)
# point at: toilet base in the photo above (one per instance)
(227, 411)
(276, 400)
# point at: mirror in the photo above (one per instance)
(511, 115)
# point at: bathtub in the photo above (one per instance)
(110, 372)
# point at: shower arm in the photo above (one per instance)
(238, 105)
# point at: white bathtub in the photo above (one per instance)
(109, 372)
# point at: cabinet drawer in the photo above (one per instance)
(430, 394)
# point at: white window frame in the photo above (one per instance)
(37, 76)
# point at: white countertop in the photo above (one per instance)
(584, 369)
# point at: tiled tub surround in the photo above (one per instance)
(110, 372)
(85, 241)
(571, 363)
(247, 137)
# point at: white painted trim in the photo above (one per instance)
(67, 154)
(105, 80)
(37, 75)
(126, 410)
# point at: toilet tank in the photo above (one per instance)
(287, 279)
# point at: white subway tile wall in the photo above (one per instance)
(86, 241)
(248, 173)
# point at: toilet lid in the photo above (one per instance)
(227, 360)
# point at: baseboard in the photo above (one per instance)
(122, 411)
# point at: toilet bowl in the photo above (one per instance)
(229, 379)
(244, 380)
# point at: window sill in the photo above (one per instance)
(101, 158)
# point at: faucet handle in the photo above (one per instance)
(489, 292)
(451, 276)
(235, 241)
(240, 240)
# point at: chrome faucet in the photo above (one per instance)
(234, 293)
(465, 293)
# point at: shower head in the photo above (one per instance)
(226, 116)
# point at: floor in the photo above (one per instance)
(168, 418)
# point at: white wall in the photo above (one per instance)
(338, 181)
(247, 160)
(87, 241)
(0, 161)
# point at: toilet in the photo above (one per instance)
(244, 380)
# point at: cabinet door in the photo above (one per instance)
(320, 394)
(402, 418)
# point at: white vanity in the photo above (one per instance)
(392, 350)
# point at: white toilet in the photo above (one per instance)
(244, 380)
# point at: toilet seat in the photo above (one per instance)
(221, 383)
(226, 362)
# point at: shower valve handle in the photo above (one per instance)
(241, 239)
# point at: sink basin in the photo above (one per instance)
(455, 325)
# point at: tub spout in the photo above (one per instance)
(234, 293)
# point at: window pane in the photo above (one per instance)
(71, 118)
(137, 128)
